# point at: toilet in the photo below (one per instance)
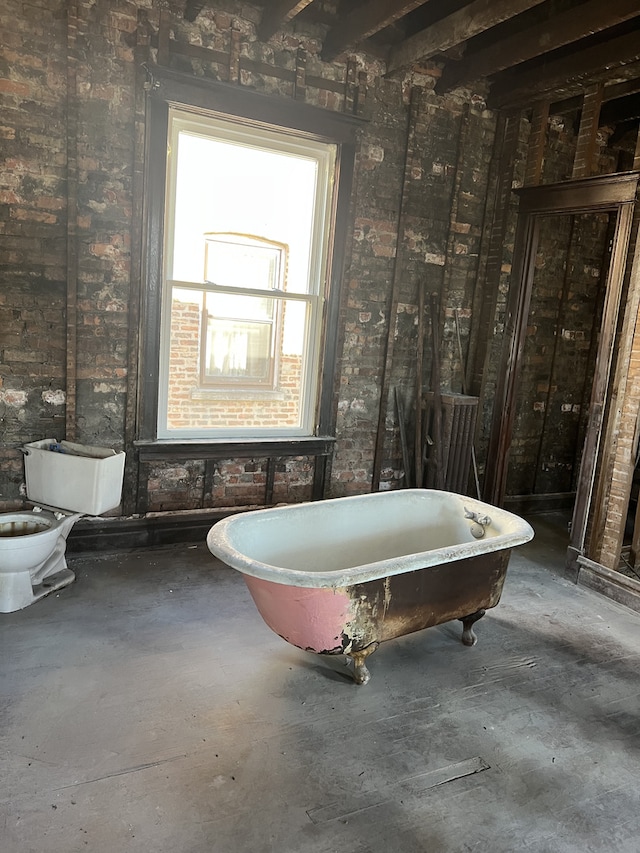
(65, 481)
(32, 556)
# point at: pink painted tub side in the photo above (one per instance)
(312, 619)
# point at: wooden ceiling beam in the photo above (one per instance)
(567, 76)
(363, 22)
(277, 14)
(610, 93)
(620, 110)
(560, 30)
(193, 9)
(621, 90)
(475, 18)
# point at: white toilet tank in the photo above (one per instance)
(74, 477)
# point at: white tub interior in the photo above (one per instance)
(376, 534)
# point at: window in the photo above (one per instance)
(248, 214)
(239, 333)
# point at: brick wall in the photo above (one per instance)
(422, 180)
(71, 127)
(192, 405)
(33, 230)
(559, 354)
(227, 483)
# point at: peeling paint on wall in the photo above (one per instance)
(15, 399)
(54, 397)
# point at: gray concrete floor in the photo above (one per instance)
(148, 708)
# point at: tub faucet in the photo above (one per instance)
(479, 522)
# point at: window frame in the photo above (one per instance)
(224, 101)
(281, 142)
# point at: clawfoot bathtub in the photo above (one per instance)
(342, 576)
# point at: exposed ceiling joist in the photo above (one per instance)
(279, 13)
(478, 16)
(627, 87)
(610, 93)
(566, 76)
(193, 9)
(562, 29)
(523, 51)
(363, 22)
(620, 110)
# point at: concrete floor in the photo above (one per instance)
(148, 708)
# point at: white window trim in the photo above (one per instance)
(259, 137)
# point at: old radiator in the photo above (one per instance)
(458, 419)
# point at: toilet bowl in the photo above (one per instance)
(65, 481)
(32, 556)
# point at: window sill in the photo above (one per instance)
(232, 448)
(235, 393)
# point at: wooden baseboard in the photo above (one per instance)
(123, 534)
(532, 504)
(613, 585)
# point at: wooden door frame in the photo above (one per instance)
(607, 194)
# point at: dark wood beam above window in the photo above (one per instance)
(363, 22)
(555, 32)
(277, 14)
(475, 18)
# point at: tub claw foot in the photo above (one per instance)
(360, 672)
(468, 636)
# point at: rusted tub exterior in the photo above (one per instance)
(341, 576)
